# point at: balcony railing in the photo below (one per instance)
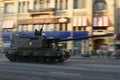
(41, 11)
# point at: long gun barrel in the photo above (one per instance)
(78, 38)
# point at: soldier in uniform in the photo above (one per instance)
(36, 32)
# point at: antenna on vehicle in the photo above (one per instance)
(41, 28)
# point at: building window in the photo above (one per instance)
(20, 28)
(48, 4)
(7, 30)
(23, 28)
(48, 27)
(56, 4)
(19, 7)
(61, 4)
(40, 26)
(79, 4)
(41, 4)
(99, 6)
(23, 6)
(61, 27)
(55, 27)
(9, 8)
(75, 4)
(35, 26)
(79, 28)
(36, 5)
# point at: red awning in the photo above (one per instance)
(80, 21)
(8, 24)
(101, 21)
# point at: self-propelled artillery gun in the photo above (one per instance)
(39, 48)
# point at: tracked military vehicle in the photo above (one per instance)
(39, 48)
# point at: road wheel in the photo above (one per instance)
(33, 59)
(11, 57)
(51, 60)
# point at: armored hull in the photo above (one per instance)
(36, 55)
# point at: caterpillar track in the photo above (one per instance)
(36, 59)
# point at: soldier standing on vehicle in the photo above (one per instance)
(36, 32)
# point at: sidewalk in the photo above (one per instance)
(2, 57)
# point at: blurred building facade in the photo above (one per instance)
(95, 16)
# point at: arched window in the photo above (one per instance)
(99, 5)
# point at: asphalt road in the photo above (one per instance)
(72, 69)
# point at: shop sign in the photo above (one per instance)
(63, 20)
(103, 46)
(46, 20)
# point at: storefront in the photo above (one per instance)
(49, 24)
(81, 23)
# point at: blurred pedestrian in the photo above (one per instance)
(109, 54)
(98, 53)
(118, 53)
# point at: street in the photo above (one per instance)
(72, 69)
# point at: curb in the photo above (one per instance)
(93, 58)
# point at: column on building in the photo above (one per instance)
(110, 39)
(58, 4)
(70, 25)
(52, 27)
(63, 27)
(90, 43)
(30, 28)
(26, 6)
(16, 15)
(83, 46)
(87, 46)
(89, 27)
(44, 27)
(45, 4)
(64, 4)
(52, 3)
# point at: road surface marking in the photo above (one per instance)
(64, 73)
